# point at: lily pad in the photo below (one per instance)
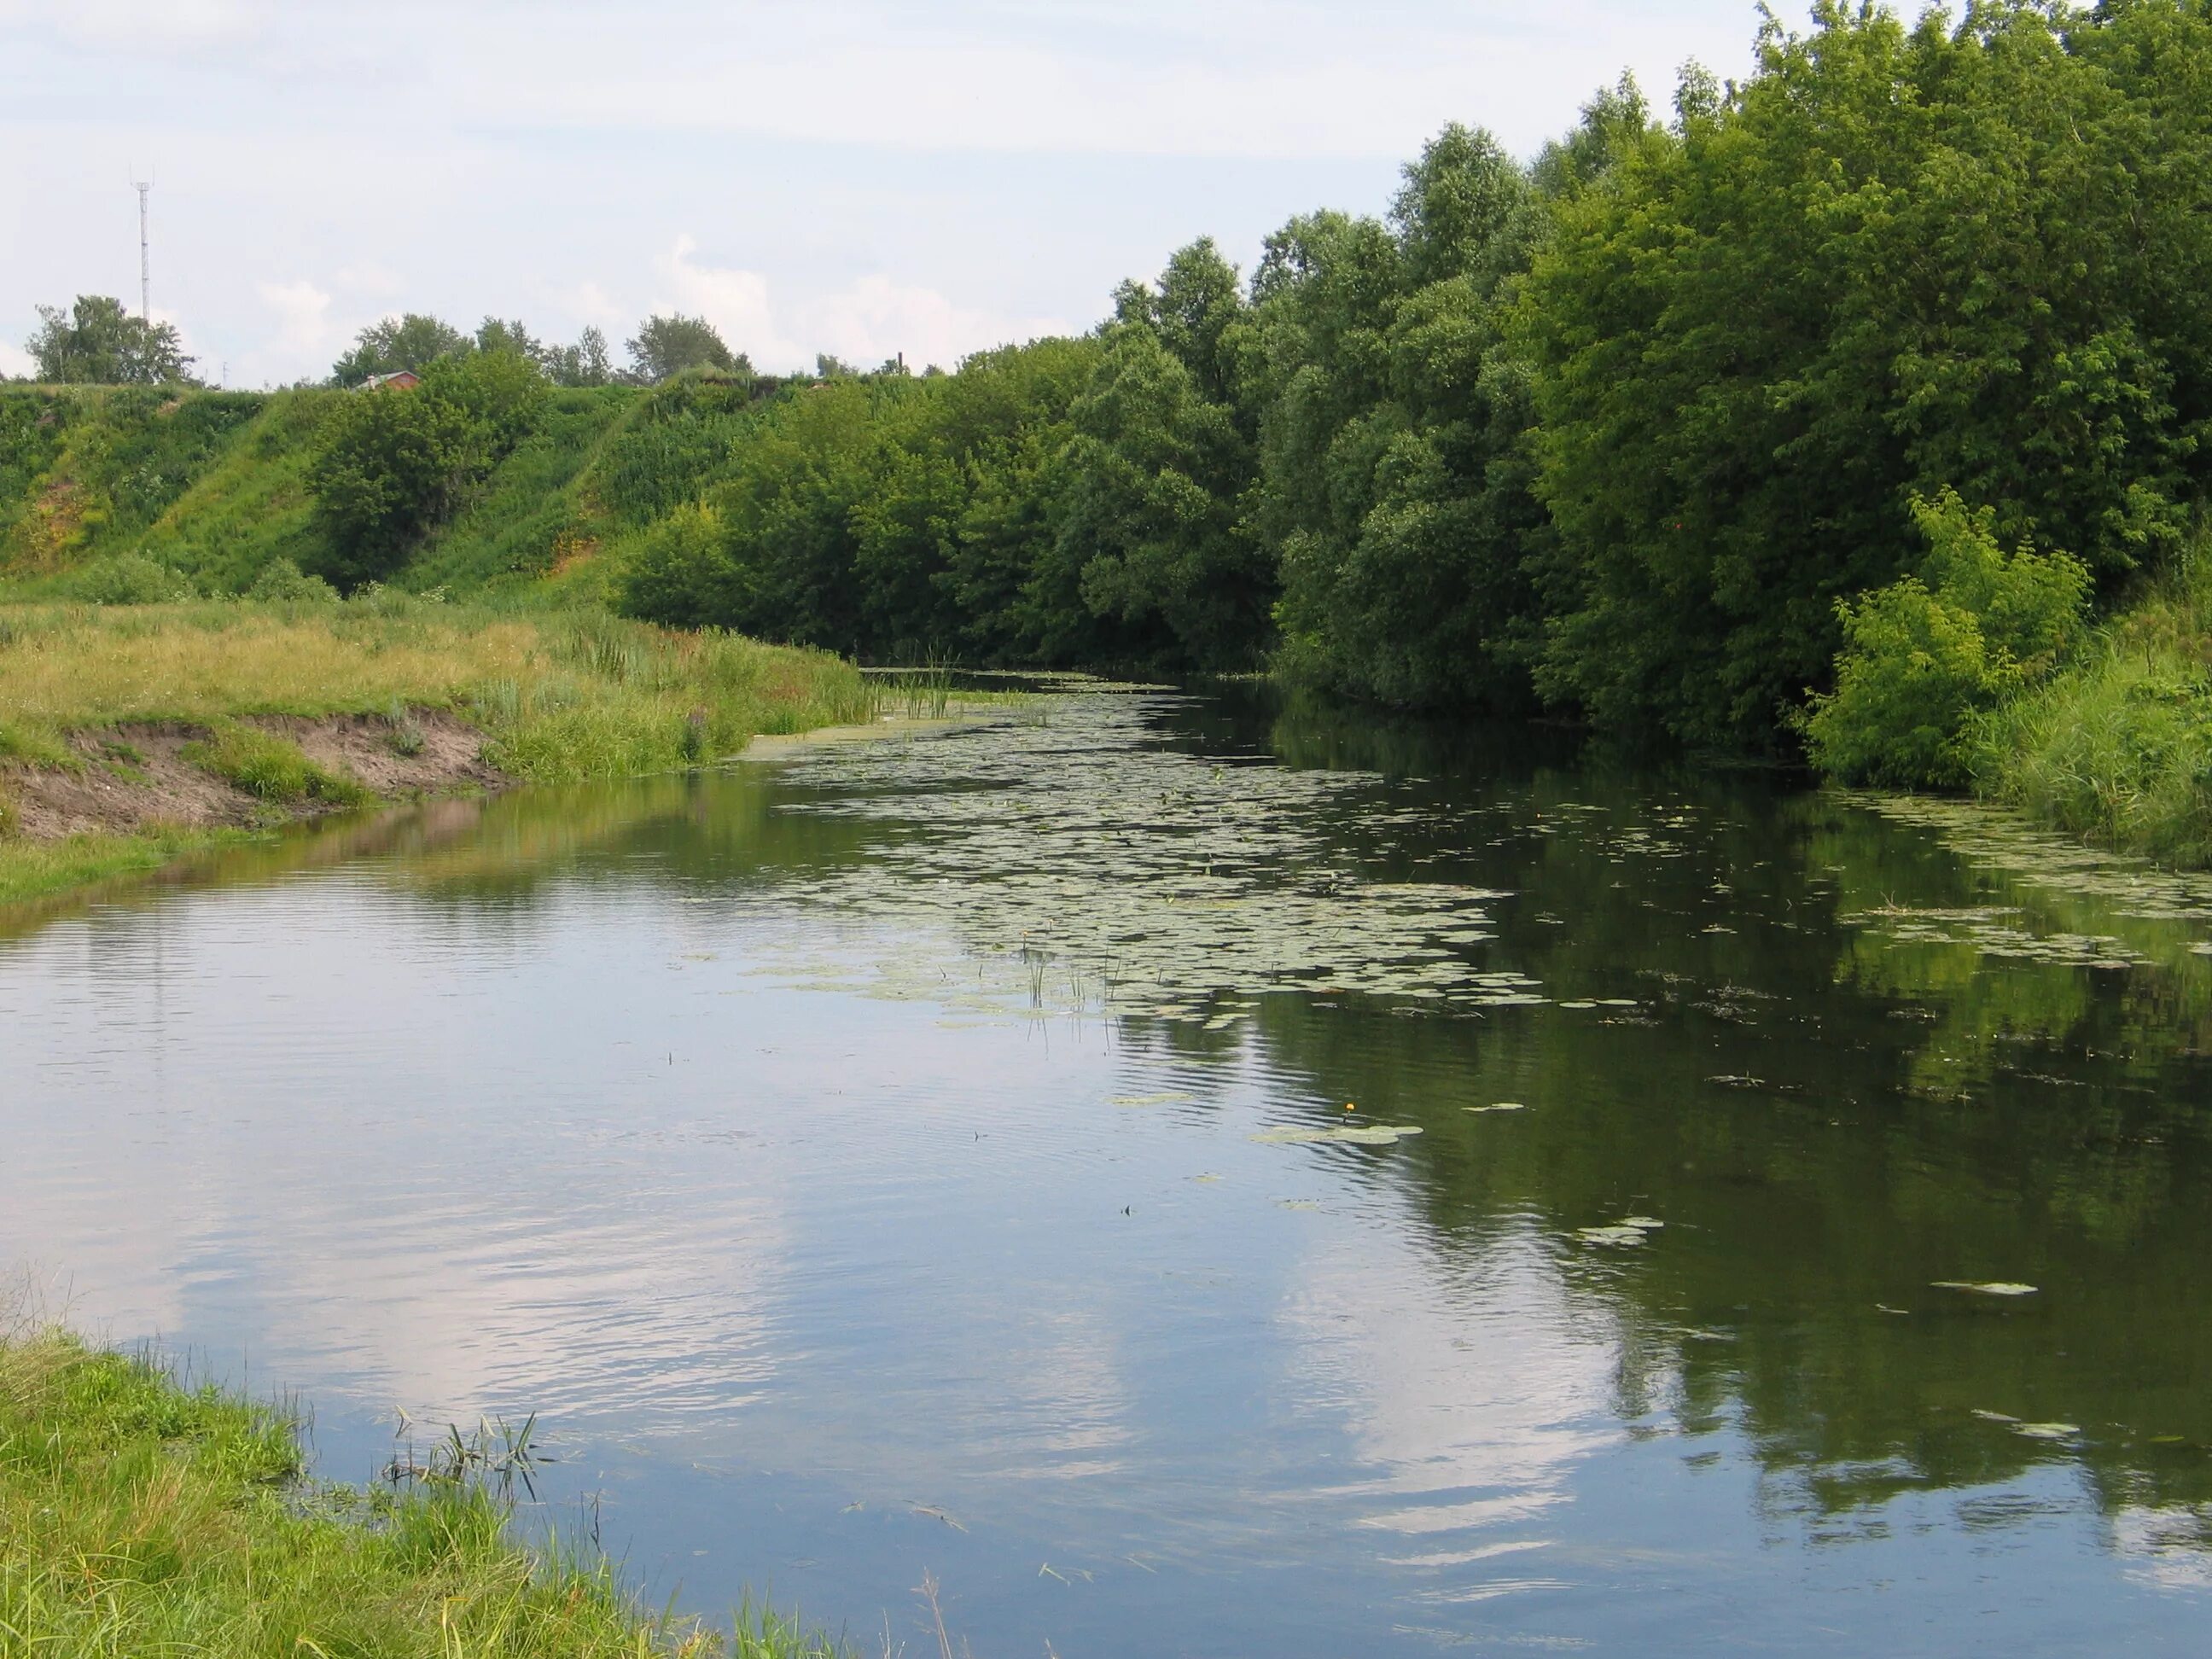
(1356, 1135)
(1615, 1237)
(1500, 1106)
(1990, 1287)
(2047, 1431)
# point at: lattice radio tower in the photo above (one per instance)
(145, 261)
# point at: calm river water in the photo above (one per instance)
(934, 1156)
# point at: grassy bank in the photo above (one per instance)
(553, 697)
(140, 1517)
(2117, 746)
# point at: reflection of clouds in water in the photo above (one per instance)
(246, 1112)
(2165, 1546)
(1473, 1387)
(1064, 1407)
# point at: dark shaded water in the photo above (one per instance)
(900, 1157)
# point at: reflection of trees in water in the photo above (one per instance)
(1894, 1115)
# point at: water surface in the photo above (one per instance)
(930, 1156)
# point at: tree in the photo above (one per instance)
(494, 334)
(413, 341)
(390, 465)
(1152, 534)
(666, 345)
(585, 363)
(98, 342)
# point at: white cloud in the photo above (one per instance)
(735, 302)
(303, 315)
(587, 302)
(155, 25)
(14, 361)
(867, 322)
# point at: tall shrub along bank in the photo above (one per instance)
(1928, 659)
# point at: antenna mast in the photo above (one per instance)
(145, 263)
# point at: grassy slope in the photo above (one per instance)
(138, 1516)
(2118, 747)
(528, 518)
(214, 484)
(88, 471)
(560, 697)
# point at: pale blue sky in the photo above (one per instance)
(855, 178)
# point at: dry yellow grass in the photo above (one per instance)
(91, 666)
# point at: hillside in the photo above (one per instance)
(212, 486)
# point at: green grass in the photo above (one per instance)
(87, 470)
(268, 769)
(2118, 748)
(140, 1516)
(560, 697)
(527, 516)
(251, 507)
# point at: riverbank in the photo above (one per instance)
(140, 1516)
(2117, 747)
(130, 736)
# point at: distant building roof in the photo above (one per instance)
(399, 379)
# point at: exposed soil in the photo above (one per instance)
(135, 777)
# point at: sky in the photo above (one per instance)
(865, 180)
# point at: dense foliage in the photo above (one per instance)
(97, 342)
(389, 464)
(1926, 658)
(1624, 431)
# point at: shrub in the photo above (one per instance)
(130, 579)
(284, 582)
(390, 465)
(1927, 658)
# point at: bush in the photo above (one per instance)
(1927, 658)
(390, 465)
(676, 571)
(284, 582)
(130, 579)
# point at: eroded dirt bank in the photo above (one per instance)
(136, 776)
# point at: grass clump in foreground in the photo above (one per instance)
(140, 1517)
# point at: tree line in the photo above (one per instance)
(1624, 430)
(1833, 402)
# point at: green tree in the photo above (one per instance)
(667, 345)
(1891, 259)
(97, 342)
(390, 465)
(1153, 538)
(1395, 478)
(413, 341)
(585, 363)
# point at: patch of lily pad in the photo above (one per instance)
(1082, 865)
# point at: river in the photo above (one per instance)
(1194, 1178)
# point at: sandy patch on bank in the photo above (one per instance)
(135, 777)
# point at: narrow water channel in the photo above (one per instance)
(1196, 1180)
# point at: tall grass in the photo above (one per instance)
(2118, 748)
(140, 1516)
(562, 695)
